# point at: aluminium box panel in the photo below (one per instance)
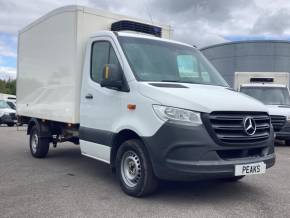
(47, 75)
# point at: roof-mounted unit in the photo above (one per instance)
(137, 27)
(262, 80)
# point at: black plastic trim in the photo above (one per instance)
(96, 136)
(180, 152)
(167, 85)
(278, 122)
(136, 26)
(207, 123)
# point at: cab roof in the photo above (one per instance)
(146, 36)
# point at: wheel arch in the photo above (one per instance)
(44, 128)
(118, 139)
(32, 122)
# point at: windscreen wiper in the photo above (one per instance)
(178, 81)
(173, 81)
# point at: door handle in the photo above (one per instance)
(89, 96)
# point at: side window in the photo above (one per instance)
(113, 59)
(102, 54)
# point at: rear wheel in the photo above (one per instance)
(10, 124)
(134, 169)
(287, 142)
(38, 146)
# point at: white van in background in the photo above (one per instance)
(7, 113)
(8, 109)
(150, 107)
(10, 99)
(273, 90)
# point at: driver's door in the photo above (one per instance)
(100, 106)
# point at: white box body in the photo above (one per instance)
(50, 59)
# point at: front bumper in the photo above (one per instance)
(283, 135)
(7, 119)
(189, 153)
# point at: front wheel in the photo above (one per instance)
(38, 146)
(134, 169)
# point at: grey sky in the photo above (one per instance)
(213, 19)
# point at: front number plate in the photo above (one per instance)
(250, 169)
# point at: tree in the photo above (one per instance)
(8, 87)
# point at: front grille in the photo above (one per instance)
(227, 128)
(278, 122)
(286, 128)
(242, 153)
(12, 116)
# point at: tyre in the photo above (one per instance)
(287, 142)
(10, 124)
(38, 146)
(233, 179)
(134, 169)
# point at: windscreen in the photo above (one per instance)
(11, 105)
(268, 95)
(3, 104)
(159, 61)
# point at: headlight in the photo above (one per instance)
(177, 115)
(288, 118)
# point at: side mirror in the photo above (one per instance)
(112, 76)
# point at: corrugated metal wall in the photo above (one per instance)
(249, 56)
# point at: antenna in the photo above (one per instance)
(146, 8)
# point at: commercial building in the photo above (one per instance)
(249, 56)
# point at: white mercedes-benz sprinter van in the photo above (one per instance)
(150, 107)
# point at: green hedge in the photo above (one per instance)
(8, 87)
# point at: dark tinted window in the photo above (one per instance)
(268, 95)
(113, 59)
(11, 105)
(102, 54)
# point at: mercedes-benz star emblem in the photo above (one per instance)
(250, 126)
